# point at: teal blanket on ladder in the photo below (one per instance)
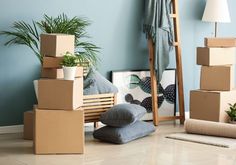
(158, 26)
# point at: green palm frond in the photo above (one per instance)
(62, 24)
(26, 34)
(89, 51)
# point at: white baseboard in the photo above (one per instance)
(186, 115)
(11, 129)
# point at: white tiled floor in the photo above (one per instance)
(151, 150)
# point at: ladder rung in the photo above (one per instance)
(176, 44)
(173, 15)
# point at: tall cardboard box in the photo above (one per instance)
(52, 62)
(28, 125)
(211, 105)
(60, 94)
(55, 73)
(219, 78)
(220, 42)
(215, 56)
(55, 45)
(59, 132)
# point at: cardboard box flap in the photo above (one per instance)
(220, 42)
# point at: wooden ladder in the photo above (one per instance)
(179, 74)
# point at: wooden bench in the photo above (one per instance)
(95, 105)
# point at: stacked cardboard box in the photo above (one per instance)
(58, 118)
(216, 82)
(52, 47)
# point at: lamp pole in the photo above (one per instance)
(216, 28)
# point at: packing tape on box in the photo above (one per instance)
(210, 128)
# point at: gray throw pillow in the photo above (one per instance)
(122, 115)
(125, 134)
(90, 87)
(101, 83)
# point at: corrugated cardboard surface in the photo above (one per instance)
(215, 56)
(52, 62)
(60, 94)
(211, 105)
(28, 125)
(220, 42)
(55, 45)
(59, 132)
(219, 78)
(54, 73)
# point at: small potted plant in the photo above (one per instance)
(232, 113)
(69, 64)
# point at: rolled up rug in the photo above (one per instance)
(210, 128)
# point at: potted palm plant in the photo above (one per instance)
(232, 113)
(23, 33)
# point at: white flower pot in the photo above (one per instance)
(69, 72)
(36, 84)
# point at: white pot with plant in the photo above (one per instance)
(232, 113)
(69, 65)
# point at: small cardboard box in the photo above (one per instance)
(219, 78)
(220, 42)
(28, 125)
(60, 94)
(52, 62)
(215, 56)
(54, 73)
(211, 105)
(55, 45)
(59, 132)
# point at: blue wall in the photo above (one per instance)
(116, 28)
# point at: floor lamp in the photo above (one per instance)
(216, 11)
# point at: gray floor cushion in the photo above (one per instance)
(122, 115)
(125, 134)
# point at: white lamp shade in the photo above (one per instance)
(216, 11)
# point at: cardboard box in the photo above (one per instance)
(60, 94)
(54, 73)
(219, 78)
(215, 56)
(59, 132)
(28, 125)
(211, 105)
(52, 62)
(55, 45)
(220, 42)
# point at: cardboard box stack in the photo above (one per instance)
(59, 120)
(216, 81)
(53, 46)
